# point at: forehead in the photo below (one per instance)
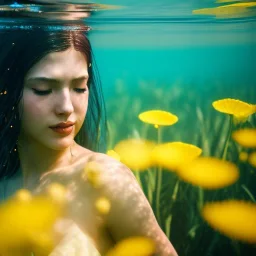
(64, 65)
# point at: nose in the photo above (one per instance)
(64, 105)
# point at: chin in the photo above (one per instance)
(61, 144)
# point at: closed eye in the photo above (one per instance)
(46, 92)
(41, 92)
(80, 90)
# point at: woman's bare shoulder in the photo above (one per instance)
(112, 169)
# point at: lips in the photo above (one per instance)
(63, 125)
(63, 128)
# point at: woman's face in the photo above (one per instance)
(55, 91)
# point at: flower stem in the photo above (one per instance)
(169, 219)
(159, 180)
(200, 198)
(137, 175)
(168, 226)
(224, 155)
(249, 193)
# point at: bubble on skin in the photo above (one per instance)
(103, 205)
(92, 173)
(57, 192)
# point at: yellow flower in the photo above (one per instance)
(135, 153)
(23, 195)
(245, 137)
(209, 172)
(239, 109)
(22, 221)
(248, 4)
(171, 155)
(243, 156)
(113, 154)
(158, 118)
(252, 159)
(135, 246)
(221, 12)
(102, 205)
(235, 219)
(228, 11)
(92, 173)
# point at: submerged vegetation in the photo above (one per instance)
(193, 156)
(205, 159)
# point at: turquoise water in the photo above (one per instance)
(164, 42)
(158, 55)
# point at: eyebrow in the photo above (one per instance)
(55, 80)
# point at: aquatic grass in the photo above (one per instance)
(226, 144)
(208, 130)
(159, 178)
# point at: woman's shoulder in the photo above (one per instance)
(106, 166)
(85, 156)
(108, 163)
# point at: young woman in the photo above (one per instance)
(52, 121)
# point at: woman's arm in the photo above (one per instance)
(131, 213)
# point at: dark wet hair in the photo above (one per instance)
(19, 51)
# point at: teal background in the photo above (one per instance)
(158, 55)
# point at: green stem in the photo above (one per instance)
(200, 198)
(192, 231)
(137, 175)
(152, 179)
(175, 191)
(158, 192)
(151, 183)
(169, 219)
(249, 193)
(168, 226)
(110, 139)
(224, 155)
(159, 180)
(150, 197)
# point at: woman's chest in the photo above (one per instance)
(82, 209)
(76, 242)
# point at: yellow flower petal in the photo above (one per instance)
(42, 243)
(237, 108)
(158, 117)
(172, 155)
(113, 154)
(243, 156)
(235, 219)
(245, 137)
(135, 246)
(135, 153)
(248, 4)
(252, 159)
(23, 195)
(209, 173)
(21, 218)
(102, 205)
(227, 11)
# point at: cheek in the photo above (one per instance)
(31, 111)
(81, 109)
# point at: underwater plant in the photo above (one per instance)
(136, 246)
(236, 219)
(182, 200)
(158, 118)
